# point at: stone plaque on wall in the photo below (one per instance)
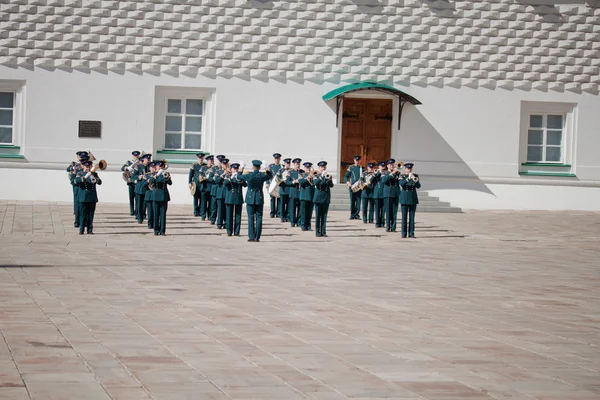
(90, 129)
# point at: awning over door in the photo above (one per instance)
(340, 92)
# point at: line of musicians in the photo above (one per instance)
(148, 184)
(84, 178)
(380, 188)
(294, 193)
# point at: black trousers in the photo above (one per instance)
(196, 202)
(306, 211)
(379, 213)
(321, 211)
(368, 207)
(391, 213)
(160, 216)
(255, 217)
(131, 189)
(220, 213)
(275, 207)
(408, 210)
(86, 216)
(293, 210)
(354, 204)
(140, 204)
(233, 218)
(284, 200)
(205, 202)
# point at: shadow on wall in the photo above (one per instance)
(435, 160)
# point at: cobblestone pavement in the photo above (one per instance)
(482, 305)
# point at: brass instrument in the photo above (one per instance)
(100, 166)
(167, 176)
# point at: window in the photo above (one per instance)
(184, 120)
(545, 137)
(183, 124)
(7, 108)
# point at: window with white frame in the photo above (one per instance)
(183, 123)
(545, 137)
(7, 117)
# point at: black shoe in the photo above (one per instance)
(163, 234)
(257, 240)
(411, 236)
(317, 234)
(131, 213)
(76, 225)
(229, 234)
(403, 236)
(388, 230)
(364, 222)
(150, 227)
(251, 240)
(90, 233)
(236, 234)
(203, 218)
(212, 223)
(140, 222)
(155, 233)
(324, 235)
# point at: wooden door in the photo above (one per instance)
(366, 131)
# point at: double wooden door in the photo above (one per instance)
(366, 131)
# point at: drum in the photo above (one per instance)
(274, 187)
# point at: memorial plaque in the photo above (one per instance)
(90, 129)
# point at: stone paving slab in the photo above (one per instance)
(482, 305)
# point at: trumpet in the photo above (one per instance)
(167, 176)
(100, 166)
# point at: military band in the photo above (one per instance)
(218, 192)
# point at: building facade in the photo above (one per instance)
(496, 102)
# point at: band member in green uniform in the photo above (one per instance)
(194, 176)
(391, 192)
(127, 169)
(160, 196)
(255, 199)
(220, 192)
(284, 197)
(73, 169)
(307, 193)
(234, 199)
(149, 196)
(294, 192)
(352, 175)
(323, 183)
(378, 196)
(214, 171)
(274, 167)
(367, 194)
(88, 197)
(408, 199)
(207, 187)
(139, 176)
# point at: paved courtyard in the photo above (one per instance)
(482, 305)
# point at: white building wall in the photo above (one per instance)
(471, 64)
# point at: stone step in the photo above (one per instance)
(340, 201)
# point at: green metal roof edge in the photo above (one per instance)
(366, 86)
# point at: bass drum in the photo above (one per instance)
(274, 187)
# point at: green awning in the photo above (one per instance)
(354, 87)
(340, 92)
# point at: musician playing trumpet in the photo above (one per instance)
(139, 176)
(408, 199)
(160, 196)
(87, 180)
(378, 199)
(391, 193)
(323, 184)
(367, 200)
(234, 199)
(307, 193)
(127, 169)
(293, 189)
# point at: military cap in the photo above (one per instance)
(220, 157)
(307, 164)
(225, 160)
(357, 158)
(409, 165)
(235, 165)
(297, 160)
(382, 164)
(87, 163)
(148, 156)
(200, 155)
(287, 160)
(81, 153)
(391, 161)
(276, 155)
(256, 163)
(370, 165)
(135, 153)
(211, 157)
(322, 163)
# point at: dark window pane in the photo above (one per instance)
(535, 121)
(553, 154)
(534, 153)
(173, 141)
(6, 99)
(173, 124)
(535, 137)
(193, 124)
(6, 117)
(5, 135)
(192, 141)
(174, 106)
(554, 138)
(193, 107)
(555, 121)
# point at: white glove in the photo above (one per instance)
(130, 168)
(160, 172)
(88, 175)
(93, 180)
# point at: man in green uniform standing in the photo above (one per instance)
(160, 197)
(255, 199)
(293, 190)
(220, 193)
(323, 184)
(352, 176)
(129, 166)
(215, 171)
(274, 167)
(206, 188)
(408, 199)
(194, 176)
(234, 199)
(368, 210)
(391, 193)
(149, 196)
(87, 181)
(73, 169)
(139, 176)
(307, 193)
(284, 197)
(378, 199)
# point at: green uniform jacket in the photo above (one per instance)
(307, 191)
(197, 170)
(233, 190)
(378, 185)
(255, 181)
(367, 192)
(139, 177)
(409, 190)
(283, 189)
(391, 188)
(274, 170)
(220, 189)
(212, 172)
(161, 190)
(322, 190)
(293, 189)
(353, 174)
(87, 188)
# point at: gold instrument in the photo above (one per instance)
(167, 176)
(166, 165)
(100, 166)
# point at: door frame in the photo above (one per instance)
(367, 94)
